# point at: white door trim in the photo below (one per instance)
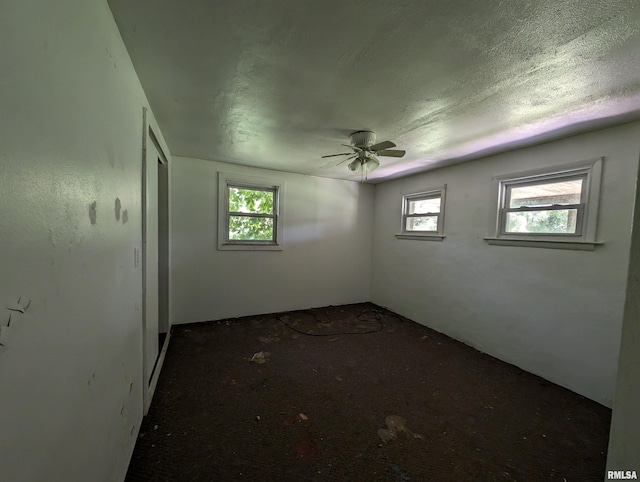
(152, 135)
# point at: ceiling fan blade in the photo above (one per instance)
(334, 155)
(355, 149)
(391, 153)
(382, 145)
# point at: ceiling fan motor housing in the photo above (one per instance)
(363, 139)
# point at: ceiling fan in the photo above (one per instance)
(365, 152)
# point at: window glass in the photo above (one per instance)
(422, 223)
(424, 206)
(547, 194)
(250, 228)
(555, 221)
(245, 200)
(537, 207)
(251, 214)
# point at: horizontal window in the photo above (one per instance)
(545, 207)
(557, 206)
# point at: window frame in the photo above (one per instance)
(506, 189)
(584, 237)
(438, 234)
(229, 180)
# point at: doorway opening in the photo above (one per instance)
(155, 272)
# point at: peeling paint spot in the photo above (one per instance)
(117, 208)
(125, 216)
(93, 215)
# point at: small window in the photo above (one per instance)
(558, 206)
(423, 214)
(249, 214)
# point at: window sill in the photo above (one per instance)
(249, 247)
(421, 237)
(544, 243)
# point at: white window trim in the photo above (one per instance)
(585, 240)
(224, 180)
(423, 235)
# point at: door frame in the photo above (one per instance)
(151, 134)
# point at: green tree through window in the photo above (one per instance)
(549, 222)
(251, 213)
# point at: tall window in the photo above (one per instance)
(423, 214)
(557, 206)
(249, 214)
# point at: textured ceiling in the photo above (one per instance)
(277, 84)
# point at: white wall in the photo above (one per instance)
(326, 257)
(70, 138)
(555, 313)
(624, 440)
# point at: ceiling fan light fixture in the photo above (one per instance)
(364, 165)
(372, 164)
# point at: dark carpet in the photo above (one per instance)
(255, 399)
